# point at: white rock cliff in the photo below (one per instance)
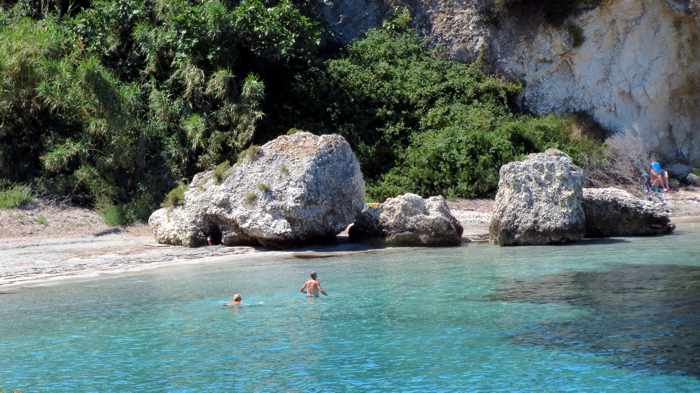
(637, 69)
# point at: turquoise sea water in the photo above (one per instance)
(611, 316)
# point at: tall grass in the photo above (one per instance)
(175, 197)
(16, 196)
(220, 171)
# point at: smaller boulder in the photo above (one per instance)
(679, 171)
(409, 220)
(615, 212)
(693, 179)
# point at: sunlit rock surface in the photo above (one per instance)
(295, 189)
(539, 201)
(409, 220)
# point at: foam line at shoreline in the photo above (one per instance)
(136, 265)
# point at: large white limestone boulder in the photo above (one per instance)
(295, 189)
(539, 201)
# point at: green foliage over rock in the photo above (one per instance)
(221, 171)
(110, 103)
(176, 196)
(394, 88)
(463, 162)
(424, 124)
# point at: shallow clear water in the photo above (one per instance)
(612, 316)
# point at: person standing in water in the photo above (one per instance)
(312, 286)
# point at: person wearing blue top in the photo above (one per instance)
(659, 177)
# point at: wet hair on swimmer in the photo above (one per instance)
(313, 275)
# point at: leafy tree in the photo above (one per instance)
(112, 103)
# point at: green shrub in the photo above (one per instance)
(113, 215)
(176, 196)
(41, 220)
(285, 170)
(263, 187)
(251, 197)
(16, 196)
(396, 87)
(221, 171)
(115, 100)
(465, 162)
(250, 154)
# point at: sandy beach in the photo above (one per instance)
(75, 243)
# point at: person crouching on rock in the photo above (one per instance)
(312, 286)
(235, 301)
(659, 177)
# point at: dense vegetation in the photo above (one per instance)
(428, 125)
(114, 103)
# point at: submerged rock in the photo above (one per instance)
(539, 201)
(409, 220)
(295, 189)
(615, 212)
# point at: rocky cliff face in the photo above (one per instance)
(633, 65)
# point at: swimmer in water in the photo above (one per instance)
(312, 287)
(235, 301)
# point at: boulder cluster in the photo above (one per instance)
(295, 190)
(303, 188)
(541, 200)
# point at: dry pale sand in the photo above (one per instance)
(48, 242)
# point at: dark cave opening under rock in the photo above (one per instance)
(214, 235)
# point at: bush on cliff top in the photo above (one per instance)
(176, 196)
